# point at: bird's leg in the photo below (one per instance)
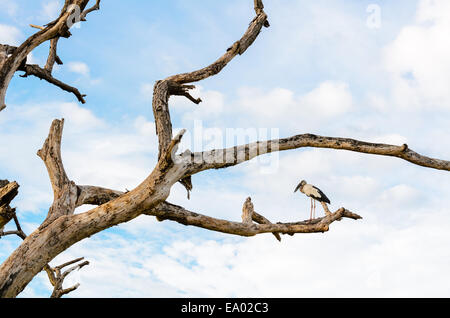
(314, 215)
(310, 213)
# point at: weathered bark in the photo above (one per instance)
(249, 215)
(52, 56)
(8, 191)
(95, 195)
(258, 218)
(167, 211)
(174, 85)
(55, 29)
(62, 228)
(44, 74)
(224, 158)
(247, 211)
(56, 277)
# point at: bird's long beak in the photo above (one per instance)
(298, 187)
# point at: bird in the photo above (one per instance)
(314, 193)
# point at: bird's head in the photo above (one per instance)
(300, 186)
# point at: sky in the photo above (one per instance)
(370, 70)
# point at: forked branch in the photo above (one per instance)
(51, 155)
(10, 63)
(8, 191)
(46, 75)
(62, 228)
(168, 211)
(249, 215)
(174, 85)
(95, 7)
(57, 276)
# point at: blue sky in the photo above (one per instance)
(318, 69)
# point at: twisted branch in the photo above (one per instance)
(45, 74)
(167, 211)
(62, 228)
(8, 191)
(223, 158)
(58, 28)
(174, 85)
(56, 277)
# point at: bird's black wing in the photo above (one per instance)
(323, 197)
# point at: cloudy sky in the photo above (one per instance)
(370, 70)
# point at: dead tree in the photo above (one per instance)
(62, 228)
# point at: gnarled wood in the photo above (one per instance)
(62, 228)
(51, 155)
(56, 276)
(223, 158)
(249, 215)
(57, 28)
(8, 191)
(96, 195)
(168, 211)
(44, 74)
(173, 85)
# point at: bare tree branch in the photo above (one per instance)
(174, 85)
(8, 191)
(91, 9)
(223, 158)
(56, 277)
(67, 195)
(53, 57)
(44, 74)
(51, 155)
(57, 28)
(168, 211)
(96, 195)
(249, 215)
(238, 47)
(62, 227)
(258, 218)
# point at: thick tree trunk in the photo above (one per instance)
(39, 248)
(62, 228)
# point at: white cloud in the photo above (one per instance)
(83, 69)
(212, 105)
(146, 90)
(392, 139)
(328, 100)
(93, 151)
(391, 252)
(272, 108)
(263, 108)
(362, 259)
(50, 10)
(400, 194)
(79, 68)
(9, 34)
(9, 7)
(117, 259)
(419, 59)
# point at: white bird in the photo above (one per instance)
(314, 193)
